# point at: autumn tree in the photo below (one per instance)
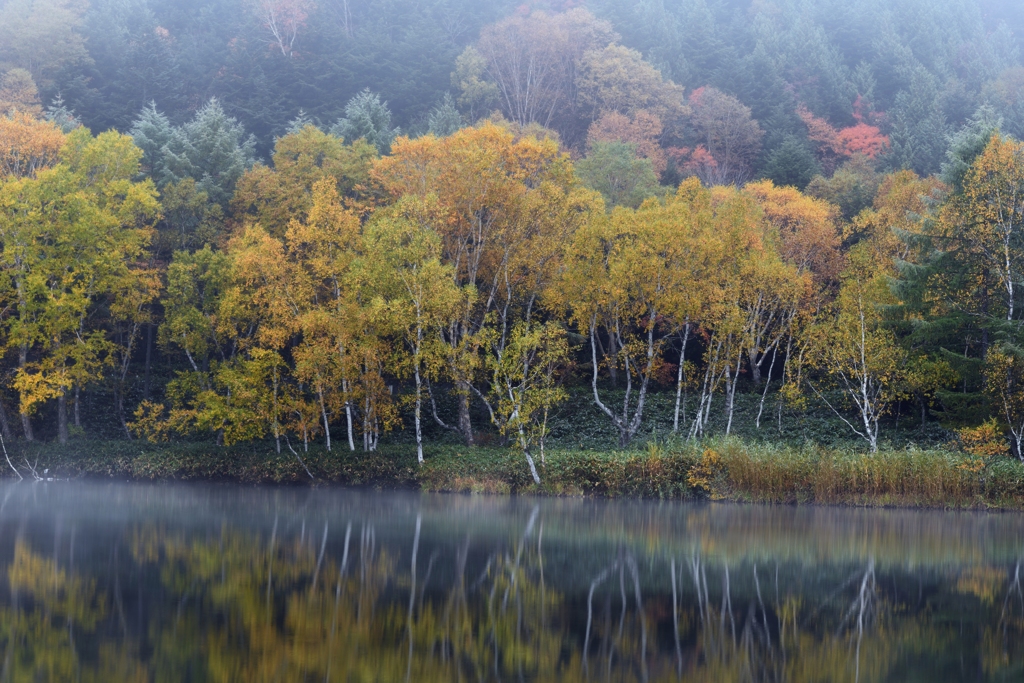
(18, 93)
(623, 275)
(283, 20)
(413, 292)
(834, 146)
(504, 208)
(726, 138)
(855, 350)
(274, 195)
(616, 79)
(643, 130)
(323, 247)
(525, 384)
(533, 62)
(72, 237)
(27, 145)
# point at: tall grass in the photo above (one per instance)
(730, 469)
(717, 469)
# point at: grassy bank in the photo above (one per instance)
(718, 469)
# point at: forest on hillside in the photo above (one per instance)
(290, 219)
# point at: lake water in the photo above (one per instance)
(120, 582)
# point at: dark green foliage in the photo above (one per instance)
(151, 132)
(614, 170)
(852, 187)
(212, 149)
(791, 163)
(967, 144)
(772, 56)
(919, 127)
(367, 118)
(445, 118)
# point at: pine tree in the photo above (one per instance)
(212, 149)
(967, 143)
(445, 118)
(368, 118)
(301, 120)
(791, 163)
(919, 127)
(59, 114)
(151, 132)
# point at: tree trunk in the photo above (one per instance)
(419, 406)
(679, 382)
(119, 399)
(348, 422)
(78, 408)
(62, 419)
(755, 369)
(348, 415)
(465, 424)
(149, 353)
(26, 423)
(5, 426)
(327, 425)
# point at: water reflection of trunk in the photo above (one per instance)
(611, 645)
(863, 607)
(1005, 617)
(337, 602)
(751, 649)
(412, 590)
(675, 622)
(367, 550)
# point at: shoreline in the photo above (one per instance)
(717, 469)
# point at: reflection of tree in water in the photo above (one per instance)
(333, 602)
(49, 623)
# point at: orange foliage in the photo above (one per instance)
(863, 139)
(808, 227)
(700, 163)
(643, 130)
(27, 145)
(497, 202)
(833, 144)
(821, 132)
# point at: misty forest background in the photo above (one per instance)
(630, 98)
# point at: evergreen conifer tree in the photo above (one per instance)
(151, 131)
(212, 149)
(445, 118)
(368, 118)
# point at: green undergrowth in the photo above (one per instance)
(716, 469)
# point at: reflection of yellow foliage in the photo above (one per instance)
(984, 582)
(52, 608)
(62, 595)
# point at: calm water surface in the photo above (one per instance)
(207, 583)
